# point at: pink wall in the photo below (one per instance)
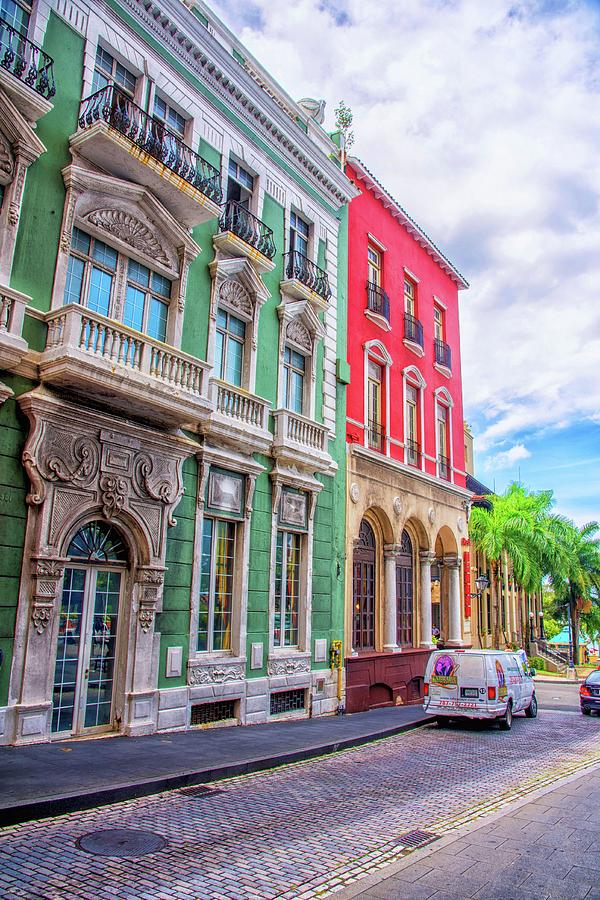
(368, 215)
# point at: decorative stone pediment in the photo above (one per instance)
(235, 296)
(83, 463)
(242, 272)
(127, 228)
(297, 332)
(129, 213)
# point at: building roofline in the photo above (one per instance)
(399, 213)
(183, 35)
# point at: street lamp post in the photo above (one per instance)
(542, 632)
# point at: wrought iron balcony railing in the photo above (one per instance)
(307, 272)
(413, 453)
(114, 107)
(376, 435)
(444, 467)
(443, 354)
(27, 62)
(413, 330)
(240, 221)
(378, 301)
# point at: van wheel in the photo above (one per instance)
(586, 712)
(505, 721)
(531, 711)
(442, 721)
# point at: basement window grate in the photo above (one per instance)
(199, 792)
(287, 701)
(417, 838)
(208, 713)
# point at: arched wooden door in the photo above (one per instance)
(405, 592)
(364, 589)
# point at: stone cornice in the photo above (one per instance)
(386, 461)
(171, 23)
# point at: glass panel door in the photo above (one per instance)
(101, 649)
(85, 658)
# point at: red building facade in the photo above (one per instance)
(407, 497)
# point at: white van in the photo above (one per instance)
(478, 684)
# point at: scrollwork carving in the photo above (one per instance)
(289, 666)
(233, 294)
(130, 230)
(7, 162)
(297, 332)
(216, 674)
(113, 491)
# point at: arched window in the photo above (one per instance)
(405, 592)
(363, 618)
(98, 542)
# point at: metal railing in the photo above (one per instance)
(293, 428)
(413, 453)
(236, 404)
(443, 354)
(303, 269)
(378, 301)
(75, 327)
(376, 435)
(27, 62)
(413, 330)
(114, 107)
(240, 221)
(444, 467)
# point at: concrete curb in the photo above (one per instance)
(58, 805)
(363, 885)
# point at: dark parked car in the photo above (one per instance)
(589, 693)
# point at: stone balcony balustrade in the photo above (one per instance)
(97, 358)
(298, 439)
(12, 312)
(125, 141)
(239, 418)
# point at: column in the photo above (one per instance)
(390, 632)
(426, 558)
(454, 618)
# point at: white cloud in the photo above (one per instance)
(479, 118)
(505, 459)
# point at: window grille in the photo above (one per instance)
(287, 701)
(207, 713)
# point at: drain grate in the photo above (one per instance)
(417, 838)
(199, 792)
(121, 842)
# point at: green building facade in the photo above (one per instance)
(172, 364)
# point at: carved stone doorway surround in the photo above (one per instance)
(86, 465)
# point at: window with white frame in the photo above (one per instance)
(411, 414)
(290, 577)
(221, 524)
(374, 411)
(410, 293)
(240, 184)
(299, 234)
(91, 281)
(294, 378)
(16, 14)
(374, 266)
(108, 70)
(165, 113)
(230, 339)
(443, 436)
(438, 323)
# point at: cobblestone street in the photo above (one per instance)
(304, 830)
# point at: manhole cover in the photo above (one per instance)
(121, 842)
(417, 838)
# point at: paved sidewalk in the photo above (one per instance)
(546, 849)
(49, 779)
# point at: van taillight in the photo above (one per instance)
(491, 693)
(584, 691)
(426, 689)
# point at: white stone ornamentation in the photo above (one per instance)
(298, 333)
(397, 504)
(431, 515)
(299, 666)
(354, 492)
(218, 673)
(234, 295)
(125, 227)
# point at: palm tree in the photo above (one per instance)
(578, 579)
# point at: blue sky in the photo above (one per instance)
(482, 119)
